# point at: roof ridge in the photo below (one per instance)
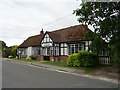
(67, 28)
(34, 36)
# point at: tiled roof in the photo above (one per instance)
(32, 41)
(73, 33)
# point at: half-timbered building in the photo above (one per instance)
(56, 45)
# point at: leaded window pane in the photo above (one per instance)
(65, 51)
(61, 51)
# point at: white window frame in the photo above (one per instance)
(72, 48)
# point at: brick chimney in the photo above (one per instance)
(42, 32)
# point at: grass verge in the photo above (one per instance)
(62, 64)
(87, 70)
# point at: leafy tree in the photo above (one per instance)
(2, 43)
(14, 50)
(105, 18)
(11, 51)
(7, 52)
(2, 48)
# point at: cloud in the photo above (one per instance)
(20, 19)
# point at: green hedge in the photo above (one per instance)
(83, 58)
(73, 60)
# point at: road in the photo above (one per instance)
(24, 76)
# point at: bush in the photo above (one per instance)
(10, 56)
(83, 58)
(73, 60)
(33, 57)
(88, 58)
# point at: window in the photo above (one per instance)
(74, 48)
(36, 50)
(64, 49)
(47, 39)
(23, 51)
(63, 45)
(56, 50)
(51, 50)
(46, 42)
(80, 47)
(57, 45)
(62, 52)
(104, 53)
(41, 51)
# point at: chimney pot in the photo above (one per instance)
(42, 32)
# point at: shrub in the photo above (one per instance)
(83, 58)
(88, 58)
(33, 57)
(73, 60)
(10, 56)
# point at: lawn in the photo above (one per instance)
(28, 60)
(62, 64)
(86, 69)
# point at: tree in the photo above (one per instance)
(2, 48)
(105, 18)
(11, 51)
(14, 50)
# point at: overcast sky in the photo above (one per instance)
(20, 19)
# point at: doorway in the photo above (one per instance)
(47, 58)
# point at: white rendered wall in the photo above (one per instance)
(29, 51)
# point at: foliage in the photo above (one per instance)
(98, 45)
(10, 56)
(14, 50)
(83, 58)
(11, 51)
(7, 52)
(2, 44)
(33, 57)
(2, 47)
(105, 18)
(73, 60)
(88, 58)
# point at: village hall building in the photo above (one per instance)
(56, 45)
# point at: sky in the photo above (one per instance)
(20, 19)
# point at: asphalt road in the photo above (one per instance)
(23, 76)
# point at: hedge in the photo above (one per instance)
(73, 60)
(83, 58)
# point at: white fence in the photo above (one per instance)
(104, 59)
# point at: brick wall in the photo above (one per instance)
(40, 57)
(54, 58)
(59, 58)
(23, 56)
(63, 58)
